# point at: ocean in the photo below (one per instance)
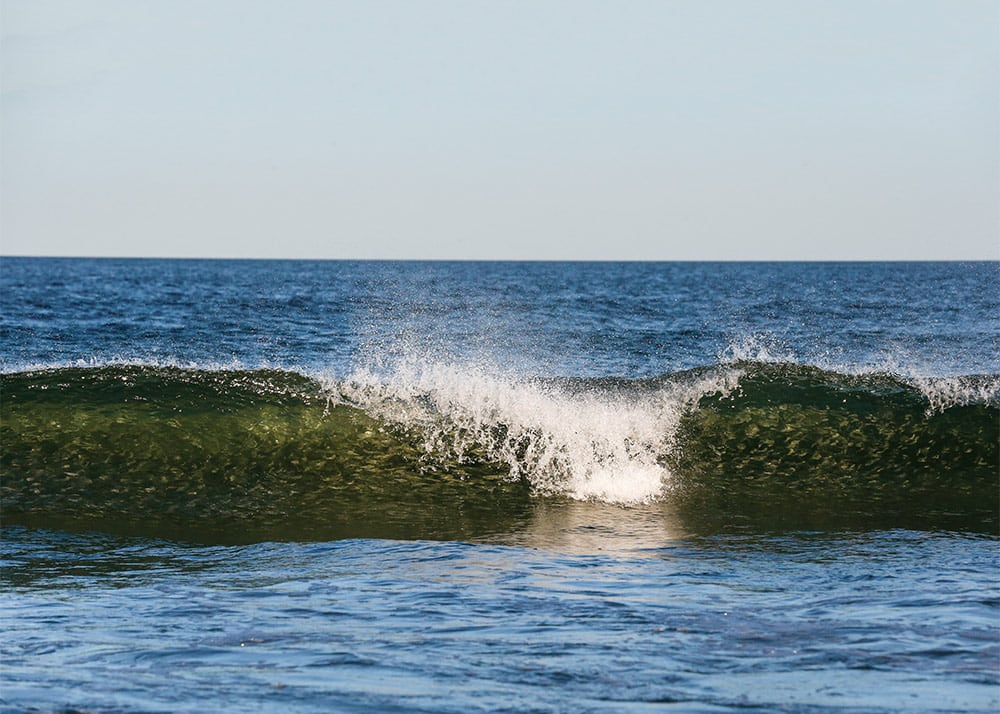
(334, 486)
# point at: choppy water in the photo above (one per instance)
(760, 623)
(322, 486)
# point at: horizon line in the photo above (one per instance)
(501, 260)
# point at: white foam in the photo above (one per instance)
(946, 392)
(233, 365)
(600, 445)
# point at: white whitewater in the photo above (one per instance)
(593, 444)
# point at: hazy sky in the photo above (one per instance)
(670, 129)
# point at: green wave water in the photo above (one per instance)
(793, 440)
(267, 454)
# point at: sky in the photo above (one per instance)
(510, 129)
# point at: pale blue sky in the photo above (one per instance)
(695, 129)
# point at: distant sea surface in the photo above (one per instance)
(315, 486)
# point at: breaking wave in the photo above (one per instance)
(170, 444)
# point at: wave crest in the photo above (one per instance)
(283, 450)
(591, 442)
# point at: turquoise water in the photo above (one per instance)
(322, 486)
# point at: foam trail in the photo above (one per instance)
(596, 445)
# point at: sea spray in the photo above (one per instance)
(943, 393)
(593, 443)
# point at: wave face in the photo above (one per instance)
(281, 454)
(175, 451)
(873, 444)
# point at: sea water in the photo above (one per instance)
(378, 486)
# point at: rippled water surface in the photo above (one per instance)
(608, 621)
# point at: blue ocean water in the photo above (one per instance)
(558, 319)
(377, 486)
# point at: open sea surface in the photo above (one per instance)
(308, 486)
